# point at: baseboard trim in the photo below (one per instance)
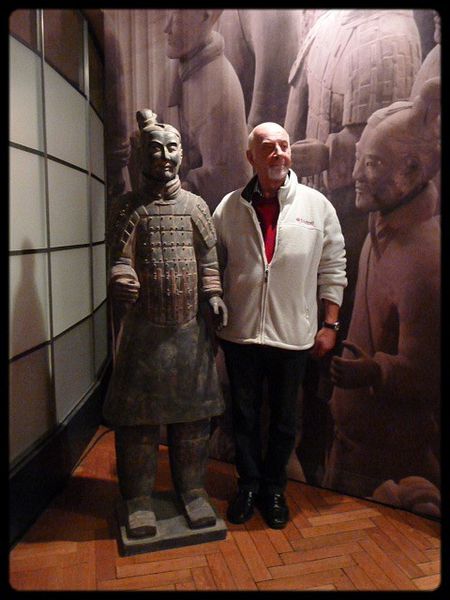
(48, 470)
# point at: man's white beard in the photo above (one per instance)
(278, 172)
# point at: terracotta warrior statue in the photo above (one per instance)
(386, 400)
(163, 271)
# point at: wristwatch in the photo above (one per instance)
(336, 325)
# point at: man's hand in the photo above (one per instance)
(218, 306)
(350, 373)
(324, 342)
(125, 289)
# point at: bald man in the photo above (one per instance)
(280, 247)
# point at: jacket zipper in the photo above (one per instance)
(266, 266)
(266, 274)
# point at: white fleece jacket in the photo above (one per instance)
(276, 304)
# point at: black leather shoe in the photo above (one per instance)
(242, 507)
(274, 510)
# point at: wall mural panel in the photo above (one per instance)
(324, 75)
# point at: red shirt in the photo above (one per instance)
(267, 211)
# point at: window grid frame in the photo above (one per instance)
(95, 371)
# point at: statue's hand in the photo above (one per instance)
(218, 306)
(125, 289)
(342, 148)
(350, 373)
(309, 157)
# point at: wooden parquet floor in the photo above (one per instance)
(333, 542)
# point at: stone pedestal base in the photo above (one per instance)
(173, 530)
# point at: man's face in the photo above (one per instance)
(161, 155)
(381, 175)
(186, 30)
(270, 153)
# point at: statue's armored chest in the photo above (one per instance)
(165, 261)
(164, 239)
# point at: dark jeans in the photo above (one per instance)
(247, 366)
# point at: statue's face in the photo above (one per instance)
(161, 155)
(383, 177)
(186, 30)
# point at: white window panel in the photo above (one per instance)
(99, 262)
(28, 302)
(25, 96)
(69, 205)
(98, 210)
(97, 150)
(65, 112)
(73, 363)
(30, 401)
(27, 212)
(101, 337)
(71, 292)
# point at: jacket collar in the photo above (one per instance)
(284, 193)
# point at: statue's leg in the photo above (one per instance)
(188, 452)
(137, 456)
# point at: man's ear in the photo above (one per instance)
(249, 156)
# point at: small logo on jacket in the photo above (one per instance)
(305, 222)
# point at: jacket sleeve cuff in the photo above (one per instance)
(334, 293)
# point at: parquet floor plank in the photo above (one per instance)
(344, 583)
(105, 555)
(263, 542)
(430, 568)
(297, 516)
(332, 539)
(355, 525)
(361, 581)
(160, 566)
(145, 581)
(430, 582)
(299, 495)
(220, 572)
(395, 554)
(203, 579)
(170, 554)
(342, 517)
(279, 540)
(332, 542)
(400, 539)
(305, 582)
(433, 553)
(313, 566)
(395, 574)
(290, 558)
(423, 541)
(250, 553)
(47, 579)
(237, 565)
(376, 574)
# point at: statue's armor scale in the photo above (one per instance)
(353, 63)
